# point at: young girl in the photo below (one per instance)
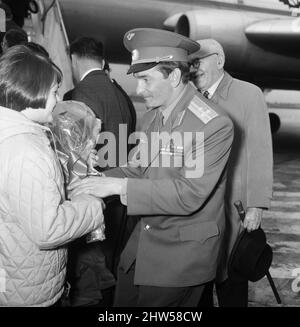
(36, 222)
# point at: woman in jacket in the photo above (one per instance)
(36, 221)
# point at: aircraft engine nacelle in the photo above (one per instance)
(244, 57)
(201, 24)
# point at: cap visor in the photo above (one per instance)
(141, 67)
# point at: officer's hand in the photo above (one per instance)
(253, 218)
(97, 186)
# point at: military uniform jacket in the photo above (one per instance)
(250, 164)
(176, 242)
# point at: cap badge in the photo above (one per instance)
(130, 36)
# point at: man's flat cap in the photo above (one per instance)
(251, 257)
(150, 46)
(207, 48)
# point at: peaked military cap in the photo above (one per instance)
(150, 46)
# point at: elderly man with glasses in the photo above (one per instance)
(250, 162)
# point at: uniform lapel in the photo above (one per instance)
(175, 119)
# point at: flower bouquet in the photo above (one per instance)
(76, 129)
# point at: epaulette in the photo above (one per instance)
(201, 110)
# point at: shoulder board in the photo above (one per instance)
(201, 110)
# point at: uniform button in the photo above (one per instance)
(146, 227)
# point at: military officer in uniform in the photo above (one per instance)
(175, 179)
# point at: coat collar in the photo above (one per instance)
(91, 72)
(15, 123)
(223, 88)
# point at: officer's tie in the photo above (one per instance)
(206, 94)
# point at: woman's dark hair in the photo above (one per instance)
(26, 78)
(167, 67)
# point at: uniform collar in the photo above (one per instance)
(167, 111)
(176, 115)
(178, 110)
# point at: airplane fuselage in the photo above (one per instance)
(270, 61)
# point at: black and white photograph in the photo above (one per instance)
(149, 159)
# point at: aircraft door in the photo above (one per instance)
(48, 30)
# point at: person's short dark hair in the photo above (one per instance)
(26, 78)
(14, 37)
(166, 67)
(37, 48)
(87, 47)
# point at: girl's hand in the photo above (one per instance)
(92, 159)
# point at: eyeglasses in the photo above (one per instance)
(196, 63)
